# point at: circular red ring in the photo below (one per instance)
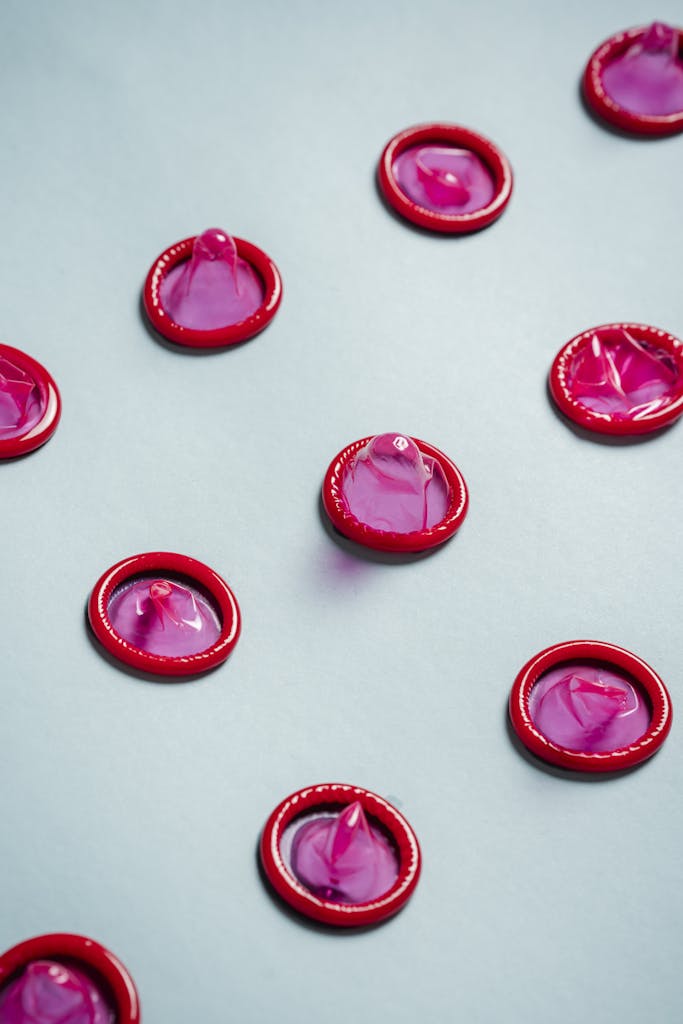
(181, 565)
(221, 336)
(602, 103)
(449, 223)
(612, 657)
(305, 902)
(383, 540)
(47, 424)
(91, 954)
(603, 422)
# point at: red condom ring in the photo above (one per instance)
(222, 336)
(40, 432)
(562, 390)
(381, 540)
(612, 657)
(63, 947)
(302, 899)
(452, 135)
(602, 103)
(165, 562)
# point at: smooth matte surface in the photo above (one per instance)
(130, 810)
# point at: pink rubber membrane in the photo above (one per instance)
(590, 706)
(445, 178)
(212, 290)
(48, 992)
(340, 854)
(635, 80)
(65, 979)
(164, 616)
(29, 403)
(620, 379)
(165, 613)
(394, 493)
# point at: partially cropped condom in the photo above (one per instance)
(394, 493)
(30, 405)
(212, 290)
(165, 613)
(635, 80)
(620, 379)
(445, 178)
(340, 854)
(65, 979)
(590, 706)
(47, 992)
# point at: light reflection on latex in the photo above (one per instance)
(648, 78)
(21, 404)
(52, 993)
(391, 485)
(164, 617)
(622, 376)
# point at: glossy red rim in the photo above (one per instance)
(180, 565)
(222, 336)
(384, 540)
(603, 422)
(612, 657)
(91, 954)
(304, 901)
(43, 430)
(602, 103)
(455, 135)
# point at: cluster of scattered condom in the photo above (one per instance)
(336, 852)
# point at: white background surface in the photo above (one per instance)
(129, 810)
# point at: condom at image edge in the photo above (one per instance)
(634, 80)
(622, 379)
(30, 405)
(65, 979)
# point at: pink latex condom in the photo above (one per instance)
(340, 854)
(211, 290)
(394, 493)
(589, 708)
(343, 858)
(620, 379)
(214, 288)
(30, 405)
(21, 403)
(648, 78)
(48, 992)
(390, 485)
(164, 617)
(444, 177)
(165, 613)
(635, 80)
